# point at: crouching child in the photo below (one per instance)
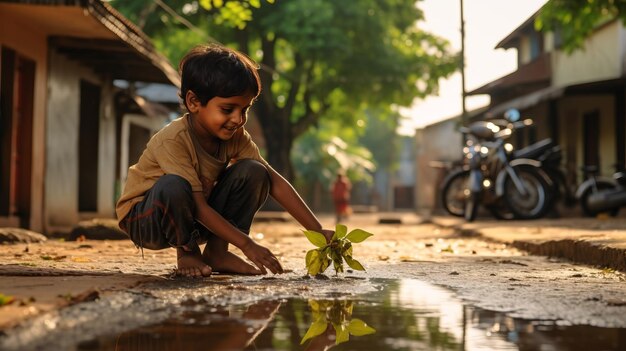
(201, 179)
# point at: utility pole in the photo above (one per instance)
(464, 113)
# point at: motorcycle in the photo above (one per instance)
(596, 194)
(601, 194)
(509, 188)
(549, 155)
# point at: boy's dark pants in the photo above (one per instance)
(165, 217)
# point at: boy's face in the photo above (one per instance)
(220, 117)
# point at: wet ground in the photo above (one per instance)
(425, 288)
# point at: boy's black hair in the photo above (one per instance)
(214, 70)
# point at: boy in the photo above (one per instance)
(201, 178)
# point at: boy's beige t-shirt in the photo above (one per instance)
(175, 150)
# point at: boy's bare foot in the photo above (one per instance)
(191, 264)
(228, 262)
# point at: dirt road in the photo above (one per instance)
(44, 277)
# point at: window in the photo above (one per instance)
(536, 45)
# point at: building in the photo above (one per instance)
(61, 120)
(576, 99)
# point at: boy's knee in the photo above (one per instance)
(252, 171)
(173, 186)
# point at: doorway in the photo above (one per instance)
(17, 86)
(591, 138)
(88, 147)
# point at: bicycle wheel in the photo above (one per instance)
(454, 193)
(531, 204)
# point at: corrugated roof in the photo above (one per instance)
(536, 71)
(111, 53)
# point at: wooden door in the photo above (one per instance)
(17, 84)
(88, 146)
(591, 138)
(7, 75)
(23, 154)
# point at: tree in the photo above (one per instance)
(320, 152)
(323, 60)
(575, 20)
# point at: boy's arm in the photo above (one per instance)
(259, 255)
(287, 197)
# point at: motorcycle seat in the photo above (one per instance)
(534, 151)
(620, 177)
(590, 169)
(551, 157)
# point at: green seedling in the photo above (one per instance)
(338, 314)
(339, 249)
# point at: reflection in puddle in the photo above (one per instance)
(332, 319)
(403, 315)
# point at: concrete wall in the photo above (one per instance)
(571, 112)
(523, 54)
(600, 59)
(62, 144)
(107, 153)
(30, 41)
(437, 142)
(405, 175)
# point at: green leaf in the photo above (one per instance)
(337, 262)
(314, 262)
(206, 4)
(346, 249)
(325, 251)
(309, 257)
(325, 263)
(358, 328)
(324, 258)
(354, 264)
(342, 333)
(6, 299)
(315, 306)
(358, 235)
(317, 328)
(340, 231)
(317, 239)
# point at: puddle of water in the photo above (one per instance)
(402, 315)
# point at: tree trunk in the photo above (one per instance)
(274, 120)
(278, 139)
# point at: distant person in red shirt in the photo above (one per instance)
(341, 196)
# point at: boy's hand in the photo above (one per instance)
(261, 257)
(328, 234)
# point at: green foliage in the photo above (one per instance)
(322, 151)
(336, 251)
(339, 315)
(232, 13)
(372, 50)
(575, 20)
(369, 144)
(380, 136)
(175, 45)
(6, 299)
(155, 17)
(320, 60)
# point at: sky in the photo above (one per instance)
(487, 22)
